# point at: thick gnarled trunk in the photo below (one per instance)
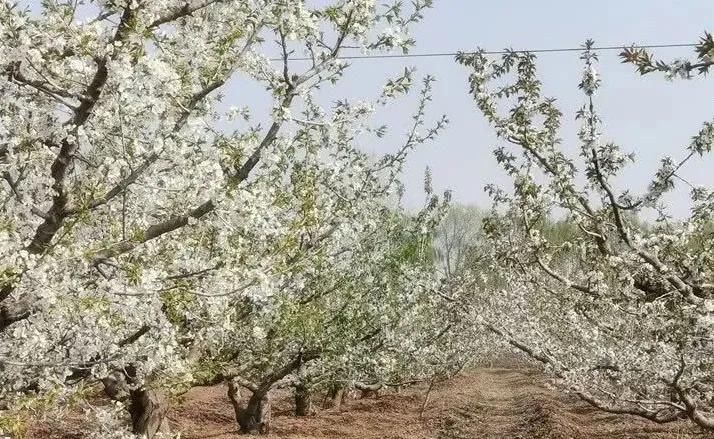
(148, 410)
(335, 397)
(256, 415)
(303, 401)
(147, 407)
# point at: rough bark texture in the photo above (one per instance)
(148, 413)
(303, 401)
(368, 390)
(256, 415)
(147, 407)
(13, 310)
(335, 397)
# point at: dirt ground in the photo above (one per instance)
(487, 403)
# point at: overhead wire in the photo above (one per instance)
(495, 52)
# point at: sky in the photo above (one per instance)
(645, 115)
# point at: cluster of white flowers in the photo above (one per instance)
(143, 246)
(617, 309)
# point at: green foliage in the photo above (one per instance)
(647, 63)
(177, 301)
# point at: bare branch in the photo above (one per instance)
(187, 9)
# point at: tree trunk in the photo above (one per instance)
(148, 409)
(303, 401)
(335, 397)
(368, 390)
(426, 397)
(255, 416)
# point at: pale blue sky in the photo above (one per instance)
(648, 116)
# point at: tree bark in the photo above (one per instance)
(147, 407)
(303, 401)
(368, 390)
(426, 397)
(255, 417)
(148, 412)
(335, 397)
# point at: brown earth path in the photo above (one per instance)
(485, 403)
(518, 404)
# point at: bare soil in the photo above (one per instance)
(487, 403)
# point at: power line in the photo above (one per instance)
(497, 52)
